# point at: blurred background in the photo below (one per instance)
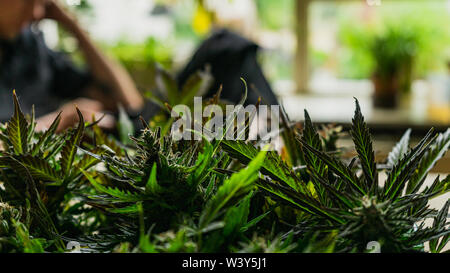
(393, 55)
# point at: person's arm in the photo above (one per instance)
(90, 109)
(106, 72)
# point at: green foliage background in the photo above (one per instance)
(355, 59)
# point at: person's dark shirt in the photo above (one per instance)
(40, 76)
(231, 57)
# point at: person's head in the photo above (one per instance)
(17, 14)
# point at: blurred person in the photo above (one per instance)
(48, 79)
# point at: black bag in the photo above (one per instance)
(231, 57)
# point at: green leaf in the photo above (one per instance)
(125, 126)
(272, 166)
(196, 85)
(168, 84)
(326, 245)
(405, 168)
(29, 244)
(439, 187)
(297, 200)
(69, 149)
(40, 210)
(313, 163)
(254, 221)
(44, 137)
(131, 209)
(337, 167)
(236, 217)
(201, 166)
(363, 144)
(311, 137)
(234, 188)
(399, 150)
(17, 129)
(38, 168)
(436, 151)
(161, 103)
(102, 139)
(342, 198)
(443, 243)
(441, 219)
(32, 126)
(121, 196)
(87, 161)
(289, 139)
(152, 184)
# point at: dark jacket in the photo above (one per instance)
(39, 75)
(231, 57)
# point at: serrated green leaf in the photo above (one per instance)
(45, 136)
(288, 134)
(311, 137)
(69, 149)
(238, 185)
(114, 192)
(363, 145)
(272, 166)
(297, 200)
(404, 169)
(337, 167)
(399, 150)
(436, 151)
(342, 197)
(38, 168)
(439, 187)
(17, 129)
(87, 161)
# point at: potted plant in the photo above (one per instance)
(393, 53)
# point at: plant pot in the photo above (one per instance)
(386, 93)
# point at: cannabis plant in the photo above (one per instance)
(40, 172)
(331, 194)
(170, 189)
(154, 194)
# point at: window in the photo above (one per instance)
(336, 34)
